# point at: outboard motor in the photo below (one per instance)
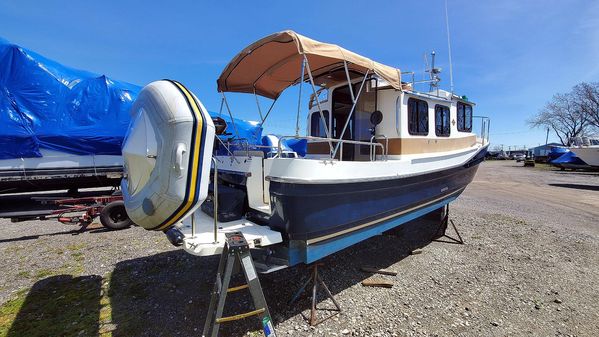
(167, 156)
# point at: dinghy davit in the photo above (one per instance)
(167, 155)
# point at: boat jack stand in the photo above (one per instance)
(443, 224)
(316, 279)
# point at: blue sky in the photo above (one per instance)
(509, 56)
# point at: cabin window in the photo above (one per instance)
(442, 128)
(464, 117)
(317, 128)
(417, 117)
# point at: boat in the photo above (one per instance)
(587, 149)
(569, 160)
(60, 128)
(376, 153)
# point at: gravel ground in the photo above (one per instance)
(530, 267)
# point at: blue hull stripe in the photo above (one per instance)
(300, 253)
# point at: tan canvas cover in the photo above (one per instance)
(273, 63)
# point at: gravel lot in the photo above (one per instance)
(530, 267)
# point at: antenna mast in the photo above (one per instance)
(449, 49)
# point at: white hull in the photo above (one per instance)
(589, 155)
(59, 171)
(54, 159)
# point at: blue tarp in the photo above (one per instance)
(45, 105)
(250, 130)
(556, 152)
(568, 158)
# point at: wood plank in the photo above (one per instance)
(377, 283)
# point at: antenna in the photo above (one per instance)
(425, 66)
(449, 49)
(434, 74)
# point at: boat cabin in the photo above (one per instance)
(406, 122)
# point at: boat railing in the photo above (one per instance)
(311, 139)
(485, 127)
(386, 147)
(373, 144)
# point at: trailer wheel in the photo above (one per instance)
(114, 216)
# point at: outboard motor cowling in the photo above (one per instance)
(167, 154)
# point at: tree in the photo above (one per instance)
(587, 95)
(564, 115)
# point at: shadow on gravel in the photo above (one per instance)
(578, 173)
(57, 306)
(34, 237)
(69, 232)
(578, 186)
(168, 294)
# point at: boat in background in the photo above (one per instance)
(587, 149)
(569, 160)
(60, 128)
(376, 154)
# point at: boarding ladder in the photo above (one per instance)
(236, 253)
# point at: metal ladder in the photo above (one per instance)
(236, 253)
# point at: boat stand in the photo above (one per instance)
(316, 279)
(236, 253)
(443, 224)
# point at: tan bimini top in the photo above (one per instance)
(272, 64)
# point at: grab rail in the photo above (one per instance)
(386, 148)
(485, 127)
(215, 201)
(333, 140)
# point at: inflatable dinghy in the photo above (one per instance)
(167, 156)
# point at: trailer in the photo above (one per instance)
(78, 211)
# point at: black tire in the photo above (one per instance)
(114, 216)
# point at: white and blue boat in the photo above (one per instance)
(376, 153)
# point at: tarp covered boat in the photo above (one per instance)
(569, 160)
(63, 128)
(60, 127)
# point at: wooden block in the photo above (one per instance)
(377, 283)
(379, 271)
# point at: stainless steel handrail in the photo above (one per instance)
(215, 200)
(485, 128)
(242, 141)
(329, 140)
(385, 152)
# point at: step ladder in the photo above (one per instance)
(235, 255)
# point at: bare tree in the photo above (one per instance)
(587, 96)
(563, 115)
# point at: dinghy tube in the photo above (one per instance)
(167, 156)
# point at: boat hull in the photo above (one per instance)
(32, 180)
(319, 212)
(589, 155)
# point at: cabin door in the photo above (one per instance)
(359, 126)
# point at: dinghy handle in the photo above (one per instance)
(179, 158)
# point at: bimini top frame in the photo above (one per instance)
(270, 65)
